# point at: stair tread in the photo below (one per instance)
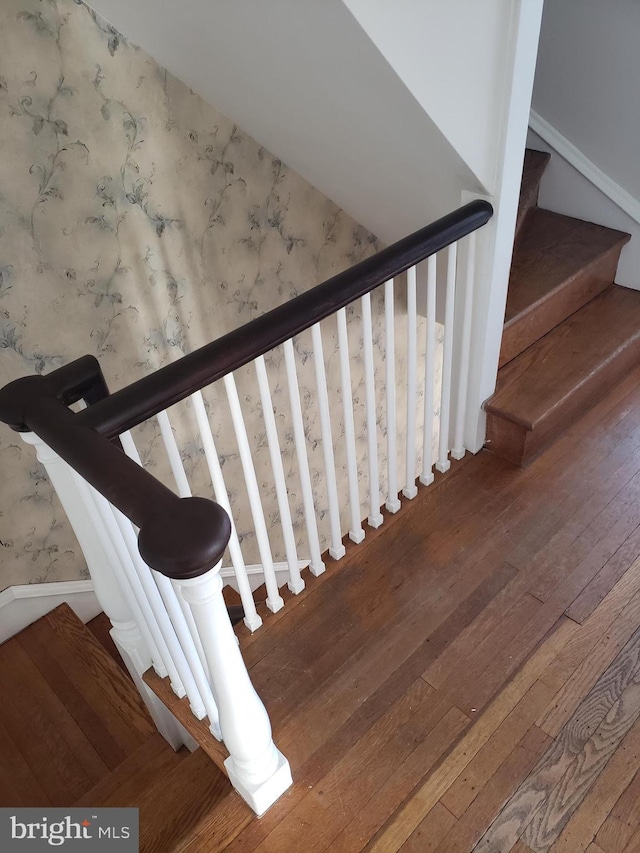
(554, 249)
(174, 807)
(124, 785)
(55, 677)
(544, 376)
(535, 162)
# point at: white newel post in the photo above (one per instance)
(256, 768)
(127, 634)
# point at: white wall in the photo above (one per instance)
(395, 140)
(565, 190)
(306, 82)
(587, 88)
(453, 55)
(588, 81)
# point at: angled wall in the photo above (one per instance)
(454, 57)
(307, 82)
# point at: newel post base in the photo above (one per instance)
(256, 768)
(260, 796)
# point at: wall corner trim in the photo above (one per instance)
(568, 151)
(24, 604)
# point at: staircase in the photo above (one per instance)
(569, 332)
(74, 732)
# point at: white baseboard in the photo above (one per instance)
(566, 149)
(256, 574)
(20, 606)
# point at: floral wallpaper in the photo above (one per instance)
(138, 223)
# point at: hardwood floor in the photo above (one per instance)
(466, 680)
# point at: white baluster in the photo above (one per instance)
(184, 490)
(392, 503)
(458, 450)
(257, 770)
(443, 464)
(274, 599)
(146, 594)
(426, 477)
(411, 490)
(356, 532)
(113, 544)
(337, 549)
(317, 566)
(295, 583)
(181, 643)
(251, 618)
(375, 516)
(130, 633)
(177, 468)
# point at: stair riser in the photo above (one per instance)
(524, 330)
(520, 445)
(532, 203)
(529, 192)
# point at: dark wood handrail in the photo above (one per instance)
(185, 537)
(172, 383)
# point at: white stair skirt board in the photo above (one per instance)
(574, 186)
(617, 194)
(22, 605)
(256, 575)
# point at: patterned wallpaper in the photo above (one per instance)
(137, 223)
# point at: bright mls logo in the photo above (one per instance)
(77, 830)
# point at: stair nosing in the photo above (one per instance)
(566, 282)
(529, 424)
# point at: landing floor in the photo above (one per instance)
(469, 680)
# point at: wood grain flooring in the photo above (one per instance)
(466, 680)
(74, 732)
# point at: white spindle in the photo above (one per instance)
(100, 508)
(175, 649)
(443, 464)
(274, 599)
(130, 632)
(356, 532)
(251, 618)
(129, 447)
(375, 516)
(258, 771)
(184, 490)
(458, 450)
(187, 661)
(410, 490)
(316, 566)
(177, 468)
(295, 584)
(392, 503)
(426, 477)
(337, 549)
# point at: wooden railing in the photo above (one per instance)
(155, 554)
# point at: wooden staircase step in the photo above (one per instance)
(559, 265)
(174, 808)
(125, 785)
(100, 627)
(198, 729)
(535, 162)
(545, 388)
(56, 679)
